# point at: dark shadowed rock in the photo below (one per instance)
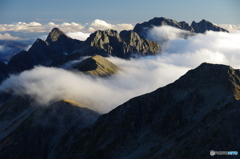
(97, 66)
(204, 26)
(197, 113)
(4, 71)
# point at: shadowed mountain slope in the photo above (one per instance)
(4, 71)
(197, 113)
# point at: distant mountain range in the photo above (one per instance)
(59, 48)
(11, 47)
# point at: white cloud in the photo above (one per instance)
(213, 47)
(230, 27)
(7, 36)
(4, 49)
(78, 35)
(102, 25)
(165, 33)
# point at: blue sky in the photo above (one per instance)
(116, 11)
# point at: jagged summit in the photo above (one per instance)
(142, 28)
(60, 42)
(55, 34)
(110, 42)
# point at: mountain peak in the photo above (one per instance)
(55, 34)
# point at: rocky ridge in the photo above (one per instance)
(201, 27)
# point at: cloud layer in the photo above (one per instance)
(74, 30)
(139, 76)
(47, 85)
(212, 47)
(36, 27)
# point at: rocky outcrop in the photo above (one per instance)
(195, 114)
(201, 27)
(122, 45)
(97, 66)
(204, 26)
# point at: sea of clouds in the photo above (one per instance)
(138, 76)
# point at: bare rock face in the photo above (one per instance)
(109, 42)
(197, 113)
(97, 66)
